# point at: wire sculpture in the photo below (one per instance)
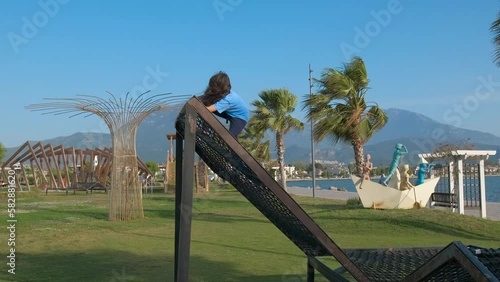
(122, 116)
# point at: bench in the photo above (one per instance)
(86, 186)
(441, 199)
(55, 189)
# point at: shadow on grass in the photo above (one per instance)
(95, 214)
(337, 212)
(225, 218)
(115, 265)
(426, 220)
(169, 212)
(254, 250)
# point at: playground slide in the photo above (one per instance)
(227, 158)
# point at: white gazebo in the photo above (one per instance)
(455, 160)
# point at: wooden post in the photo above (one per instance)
(184, 197)
(451, 179)
(196, 177)
(202, 175)
(310, 271)
(23, 171)
(482, 188)
(165, 177)
(460, 182)
(59, 181)
(33, 172)
(39, 165)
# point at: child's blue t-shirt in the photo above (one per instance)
(233, 105)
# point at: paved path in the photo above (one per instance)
(492, 208)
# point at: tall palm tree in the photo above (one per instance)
(273, 112)
(251, 139)
(339, 111)
(495, 29)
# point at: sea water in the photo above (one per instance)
(492, 185)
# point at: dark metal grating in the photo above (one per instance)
(489, 257)
(378, 263)
(228, 165)
(394, 264)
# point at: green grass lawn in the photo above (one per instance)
(68, 238)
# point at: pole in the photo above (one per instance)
(312, 139)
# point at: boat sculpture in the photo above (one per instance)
(379, 196)
(394, 191)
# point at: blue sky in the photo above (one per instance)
(430, 57)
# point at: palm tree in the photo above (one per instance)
(273, 112)
(340, 111)
(495, 29)
(251, 139)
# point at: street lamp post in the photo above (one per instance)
(312, 139)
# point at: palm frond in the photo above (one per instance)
(495, 29)
(339, 111)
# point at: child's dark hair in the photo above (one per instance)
(218, 87)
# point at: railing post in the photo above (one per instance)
(460, 182)
(310, 271)
(184, 195)
(482, 188)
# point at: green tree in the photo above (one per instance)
(252, 140)
(273, 112)
(340, 111)
(300, 168)
(300, 165)
(2, 152)
(153, 166)
(495, 29)
(317, 166)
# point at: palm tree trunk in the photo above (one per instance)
(357, 145)
(280, 147)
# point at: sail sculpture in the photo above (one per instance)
(123, 117)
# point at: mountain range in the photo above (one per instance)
(419, 133)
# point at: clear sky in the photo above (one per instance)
(430, 57)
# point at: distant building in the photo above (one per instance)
(289, 170)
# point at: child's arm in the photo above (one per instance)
(211, 108)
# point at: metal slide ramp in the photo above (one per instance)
(199, 131)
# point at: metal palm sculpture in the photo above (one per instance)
(123, 117)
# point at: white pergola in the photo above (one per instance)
(458, 157)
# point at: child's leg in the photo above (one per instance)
(236, 126)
